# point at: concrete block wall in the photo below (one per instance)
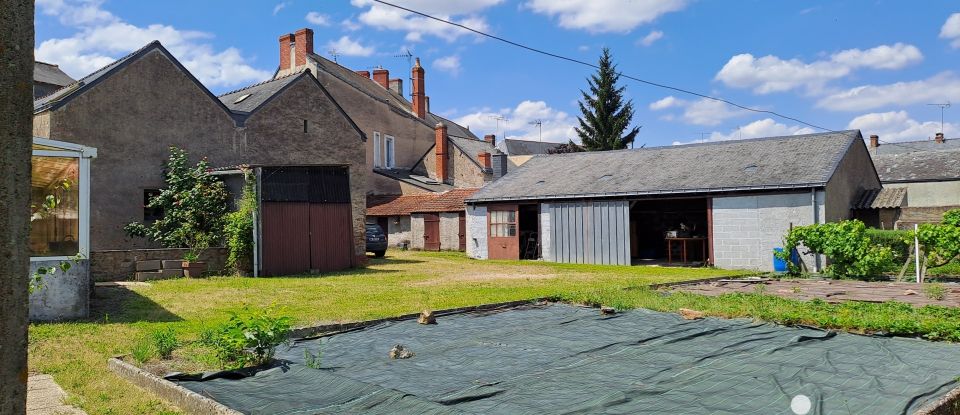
(64, 296)
(546, 246)
(477, 232)
(746, 229)
(449, 231)
(120, 265)
(416, 231)
(398, 230)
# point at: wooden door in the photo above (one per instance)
(503, 240)
(331, 236)
(431, 232)
(463, 231)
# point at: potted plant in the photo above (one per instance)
(192, 266)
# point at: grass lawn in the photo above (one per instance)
(75, 353)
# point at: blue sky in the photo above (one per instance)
(873, 65)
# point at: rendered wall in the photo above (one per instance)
(546, 239)
(416, 231)
(398, 230)
(854, 173)
(449, 231)
(64, 296)
(746, 229)
(477, 231)
(931, 194)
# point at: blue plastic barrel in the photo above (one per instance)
(779, 265)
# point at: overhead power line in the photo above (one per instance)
(578, 61)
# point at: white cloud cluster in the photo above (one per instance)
(770, 73)
(449, 64)
(650, 38)
(700, 112)
(599, 16)
(557, 125)
(318, 19)
(102, 37)
(349, 47)
(766, 127)
(464, 12)
(938, 88)
(280, 6)
(899, 126)
(951, 30)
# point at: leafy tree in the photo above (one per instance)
(941, 241)
(570, 147)
(194, 205)
(606, 117)
(846, 243)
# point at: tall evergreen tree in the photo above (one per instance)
(605, 116)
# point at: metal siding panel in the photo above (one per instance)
(624, 233)
(605, 236)
(331, 236)
(285, 238)
(567, 232)
(589, 230)
(577, 240)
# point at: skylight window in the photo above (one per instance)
(242, 97)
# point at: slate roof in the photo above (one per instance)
(48, 73)
(401, 205)
(258, 93)
(885, 198)
(915, 146)
(387, 96)
(471, 147)
(791, 162)
(942, 165)
(405, 176)
(515, 147)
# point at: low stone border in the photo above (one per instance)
(185, 399)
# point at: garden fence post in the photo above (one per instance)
(916, 247)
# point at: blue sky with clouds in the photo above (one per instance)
(873, 65)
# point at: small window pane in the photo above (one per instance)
(511, 230)
(54, 206)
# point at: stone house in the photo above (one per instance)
(409, 149)
(921, 181)
(134, 109)
(727, 204)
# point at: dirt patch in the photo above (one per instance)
(836, 291)
(482, 277)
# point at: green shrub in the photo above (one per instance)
(238, 230)
(851, 252)
(898, 241)
(935, 291)
(248, 338)
(142, 351)
(941, 242)
(165, 341)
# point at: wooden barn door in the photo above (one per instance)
(462, 234)
(503, 240)
(431, 232)
(306, 220)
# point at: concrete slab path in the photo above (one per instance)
(44, 397)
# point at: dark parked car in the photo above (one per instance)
(376, 240)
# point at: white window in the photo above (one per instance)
(388, 153)
(376, 150)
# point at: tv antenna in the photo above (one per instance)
(335, 54)
(942, 107)
(499, 118)
(539, 123)
(406, 54)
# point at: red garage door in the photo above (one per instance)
(306, 220)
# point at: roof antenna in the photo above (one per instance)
(539, 123)
(335, 54)
(942, 107)
(499, 118)
(406, 54)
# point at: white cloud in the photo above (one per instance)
(449, 64)
(349, 47)
(350, 25)
(772, 74)
(464, 12)
(766, 127)
(700, 112)
(951, 30)
(557, 125)
(280, 6)
(102, 37)
(598, 16)
(898, 126)
(650, 38)
(938, 88)
(318, 19)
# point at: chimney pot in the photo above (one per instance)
(382, 77)
(874, 141)
(304, 45)
(939, 138)
(441, 151)
(490, 138)
(365, 74)
(419, 101)
(396, 85)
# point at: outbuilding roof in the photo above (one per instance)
(402, 205)
(885, 198)
(48, 73)
(918, 166)
(790, 162)
(514, 147)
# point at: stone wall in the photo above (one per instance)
(398, 230)
(477, 231)
(746, 229)
(121, 265)
(64, 295)
(854, 173)
(916, 215)
(462, 171)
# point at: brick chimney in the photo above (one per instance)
(939, 138)
(874, 141)
(382, 77)
(490, 138)
(304, 45)
(419, 97)
(441, 151)
(365, 74)
(285, 42)
(485, 160)
(396, 85)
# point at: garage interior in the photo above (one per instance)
(529, 226)
(659, 230)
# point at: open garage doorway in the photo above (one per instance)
(529, 225)
(670, 231)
